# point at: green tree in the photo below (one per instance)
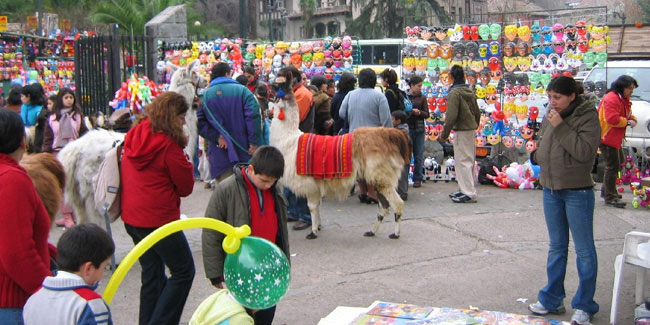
(308, 7)
(379, 19)
(645, 8)
(132, 15)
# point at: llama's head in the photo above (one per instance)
(286, 108)
(187, 75)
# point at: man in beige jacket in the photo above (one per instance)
(463, 117)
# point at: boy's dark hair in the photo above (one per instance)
(14, 96)
(399, 115)
(250, 70)
(415, 80)
(389, 75)
(268, 161)
(83, 243)
(318, 81)
(242, 79)
(458, 74)
(12, 131)
(367, 78)
(623, 82)
(295, 73)
(331, 83)
(347, 82)
(220, 69)
(262, 90)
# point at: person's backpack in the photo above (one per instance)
(403, 101)
(107, 183)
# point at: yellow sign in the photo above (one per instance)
(3, 23)
(65, 24)
(32, 22)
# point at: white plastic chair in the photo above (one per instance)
(630, 256)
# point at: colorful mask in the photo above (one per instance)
(443, 64)
(583, 44)
(508, 110)
(495, 31)
(467, 34)
(484, 31)
(537, 48)
(491, 98)
(471, 49)
(476, 65)
(442, 104)
(480, 141)
(561, 63)
(547, 32)
(601, 58)
(480, 92)
(511, 32)
(558, 31)
(474, 33)
(581, 27)
(524, 33)
(507, 141)
(494, 139)
(459, 50)
(445, 79)
(558, 43)
(425, 33)
(495, 49)
(548, 47)
(524, 63)
(545, 79)
(535, 32)
(570, 31)
(455, 34)
(440, 33)
(495, 75)
(589, 59)
(510, 64)
(493, 64)
(412, 33)
(446, 51)
(521, 112)
(522, 48)
(483, 51)
(531, 145)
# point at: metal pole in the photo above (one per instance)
(40, 17)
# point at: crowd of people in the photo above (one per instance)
(234, 119)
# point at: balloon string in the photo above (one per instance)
(230, 245)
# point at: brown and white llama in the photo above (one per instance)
(378, 156)
(48, 177)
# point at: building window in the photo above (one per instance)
(320, 30)
(333, 28)
(342, 3)
(460, 15)
(452, 12)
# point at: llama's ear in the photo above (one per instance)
(171, 67)
(193, 65)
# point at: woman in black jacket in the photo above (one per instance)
(346, 84)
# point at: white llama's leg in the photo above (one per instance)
(387, 198)
(313, 201)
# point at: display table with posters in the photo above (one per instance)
(381, 312)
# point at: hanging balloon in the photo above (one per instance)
(258, 274)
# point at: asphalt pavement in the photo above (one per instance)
(487, 255)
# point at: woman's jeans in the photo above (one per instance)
(162, 299)
(11, 316)
(570, 210)
(417, 139)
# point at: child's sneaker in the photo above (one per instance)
(539, 309)
(580, 317)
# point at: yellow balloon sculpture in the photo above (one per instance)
(230, 245)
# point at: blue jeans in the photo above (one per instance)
(570, 210)
(298, 207)
(11, 316)
(195, 160)
(417, 138)
(162, 299)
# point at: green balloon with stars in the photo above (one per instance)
(258, 274)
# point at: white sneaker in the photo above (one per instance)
(580, 317)
(539, 309)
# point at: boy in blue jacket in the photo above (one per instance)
(84, 251)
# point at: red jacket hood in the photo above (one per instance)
(142, 145)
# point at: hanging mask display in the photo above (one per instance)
(583, 44)
(474, 33)
(537, 48)
(433, 50)
(547, 33)
(522, 48)
(570, 32)
(440, 33)
(558, 45)
(412, 33)
(536, 32)
(425, 33)
(510, 64)
(446, 51)
(483, 51)
(511, 32)
(470, 50)
(495, 31)
(523, 63)
(548, 47)
(484, 32)
(524, 33)
(589, 59)
(558, 31)
(509, 49)
(495, 49)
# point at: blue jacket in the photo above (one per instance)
(29, 113)
(66, 299)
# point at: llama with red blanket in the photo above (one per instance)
(317, 166)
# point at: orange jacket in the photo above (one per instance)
(304, 99)
(613, 113)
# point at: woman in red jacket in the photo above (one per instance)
(24, 251)
(155, 174)
(615, 114)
